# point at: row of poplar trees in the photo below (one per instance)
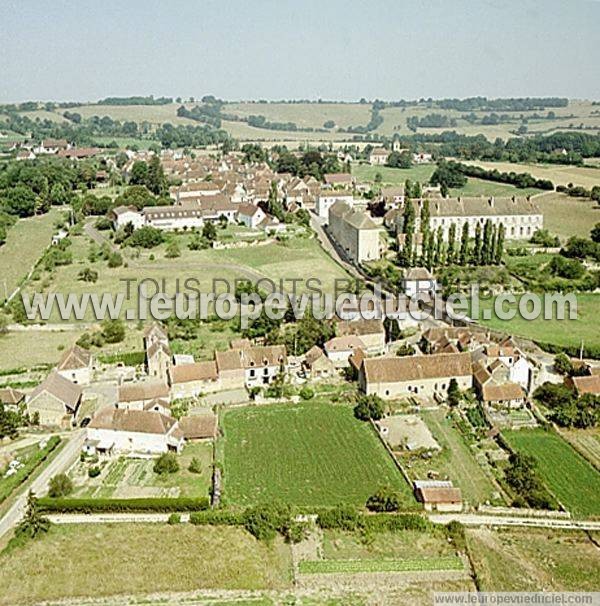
(486, 248)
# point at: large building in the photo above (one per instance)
(521, 217)
(426, 376)
(355, 232)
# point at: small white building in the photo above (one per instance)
(339, 349)
(250, 215)
(133, 431)
(76, 365)
(123, 215)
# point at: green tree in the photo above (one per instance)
(60, 486)
(172, 251)
(384, 500)
(369, 407)
(113, 331)
(209, 232)
(33, 523)
(499, 245)
(454, 394)
(477, 247)
(595, 233)
(464, 245)
(156, 181)
(166, 463)
(450, 255)
(139, 173)
(563, 364)
(87, 274)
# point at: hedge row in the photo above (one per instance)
(348, 518)
(12, 482)
(62, 505)
(130, 358)
(589, 351)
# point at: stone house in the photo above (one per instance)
(56, 401)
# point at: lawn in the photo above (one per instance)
(564, 333)
(566, 216)
(25, 243)
(311, 454)
(572, 480)
(456, 461)
(529, 559)
(99, 560)
(135, 478)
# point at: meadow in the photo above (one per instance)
(25, 243)
(563, 333)
(528, 559)
(565, 216)
(586, 442)
(574, 482)
(99, 560)
(311, 454)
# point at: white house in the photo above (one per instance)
(123, 215)
(251, 216)
(76, 365)
(339, 349)
(327, 199)
(133, 431)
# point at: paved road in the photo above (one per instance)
(65, 458)
(488, 520)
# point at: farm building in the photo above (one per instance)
(135, 396)
(317, 365)
(76, 365)
(56, 401)
(11, 398)
(190, 380)
(439, 498)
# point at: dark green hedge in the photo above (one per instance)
(131, 358)
(62, 505)
(589, 351)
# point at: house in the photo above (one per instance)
(428, 376)
(422, 158)
(11, 398)
(127, 215)
(191, 380)
(379, 156)
(584, 385)
(419, 282)
(76, 365)
(158, 360)
(504, 395)
(139, 432)
(325, 200)
(51, 146)
(250, 367)
(317, 365)
(251, 216)
(370, 332)
(393, 197)
(355, 232)
(439, 498)
(25, 154)
(55, 401)
(199, 427)
(134, 396)
(339, 180)
(339, 349)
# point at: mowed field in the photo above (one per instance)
(586, 442)
(25, 242)
(585, 176)
(566, 216)
(529, 559)
(103, 560)
(311, 454)
(571, 478)
(456, 461)
(422, 173)
(565, 333)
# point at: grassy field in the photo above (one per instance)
(569, 476)
(312, 454)
(102, 560)
(35, 347)
(586, 442)
(559, 175)
(422, 173)
(456, 461)
(154, 114)
(298, 258)
(565, 333)
(531, 560)
(566, 216)
(25, 243)
(380, 565)
(135, 478)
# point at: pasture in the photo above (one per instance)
(527, 559)
(312, 454)
(299, 258)
(25, 243)
(572, 480)
(586, 442)
(585, 176)
(456, 461)
(111, 559)
(566, 216)
(564, 333)
(154, 114)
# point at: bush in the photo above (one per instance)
(195, 466)
(115, 260)
(166, 463)
(307, 393)
(264, 521)
(385, 499)
(342, 517)
(369, 407)
(94, 472)
(60, 486)
(174, 518)
(158, 504)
